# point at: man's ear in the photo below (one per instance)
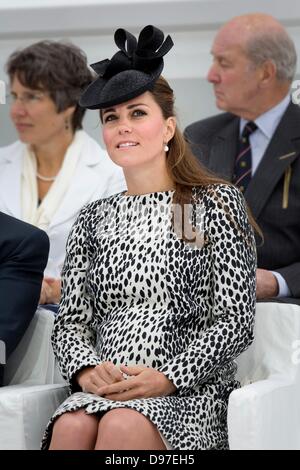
(267, 73)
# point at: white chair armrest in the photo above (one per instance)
(25, 412)
(33, 361)
(265, 415)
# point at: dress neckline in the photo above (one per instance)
(167, 192)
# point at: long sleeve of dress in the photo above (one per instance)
(233, 257)
(73, 337)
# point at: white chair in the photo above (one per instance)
(33, 387)
(265, 412)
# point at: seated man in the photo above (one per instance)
(256, 143)
(23, 257)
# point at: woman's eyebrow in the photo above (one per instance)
(109, 110)
(130, 106)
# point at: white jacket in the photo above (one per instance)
(96, 177)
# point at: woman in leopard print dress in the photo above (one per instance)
(158, 283)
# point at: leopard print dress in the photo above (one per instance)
(135, 293)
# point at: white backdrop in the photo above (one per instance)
(90, 24)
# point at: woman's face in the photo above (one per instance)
(35, 116)
(135, 132)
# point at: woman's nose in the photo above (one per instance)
(18, 109)
(124, 128)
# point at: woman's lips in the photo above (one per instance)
(126, 145)
(22, 127)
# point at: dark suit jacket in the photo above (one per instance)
(23, 257)
(214, 142)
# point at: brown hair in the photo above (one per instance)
(57, 68)
(184, 168)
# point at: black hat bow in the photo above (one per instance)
(131, 71)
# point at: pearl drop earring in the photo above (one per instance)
(166, 148)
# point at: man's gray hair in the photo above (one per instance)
(276, 46)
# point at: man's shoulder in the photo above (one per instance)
(207, 126)
(22, 241)
(292, 112)
(15, 229)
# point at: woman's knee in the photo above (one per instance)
(74, 421)
(122, 421)
(124, 428)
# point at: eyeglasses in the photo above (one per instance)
(27, 99)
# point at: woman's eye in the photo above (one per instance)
(138, 112)
(29, 97)
(109, 117)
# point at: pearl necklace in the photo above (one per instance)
(46, 178)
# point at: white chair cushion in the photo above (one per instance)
(265, 413)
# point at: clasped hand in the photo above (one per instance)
(124, 383)
(50, 291)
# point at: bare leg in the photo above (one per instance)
(75, 430)
(124, 428)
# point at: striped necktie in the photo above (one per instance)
(243, 162)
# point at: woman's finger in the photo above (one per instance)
(125, 395)
(113, 371)
(108, 372)
(103, 374)
(132, 370)
(92, 386)
(117, 387)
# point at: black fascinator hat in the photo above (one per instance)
(131, 71)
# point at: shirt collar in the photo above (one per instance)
(268, 121)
